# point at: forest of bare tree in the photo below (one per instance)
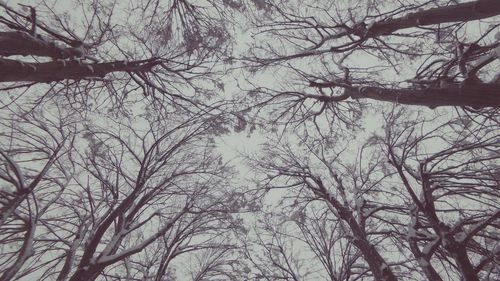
(250, 140)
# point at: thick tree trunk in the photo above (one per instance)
(17, 71)
(87, 273)
(378, 266)
(459, 253)
(21, 43)
(477, 95)
(454, 13)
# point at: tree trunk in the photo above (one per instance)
(459, 253)
(476, 95)
(462, 12)
(17, 71)
(90, 273)
(21, 43)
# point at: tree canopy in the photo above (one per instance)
(375, 124)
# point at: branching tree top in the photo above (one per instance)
(378, 122)
(152, 48)
(424, 53)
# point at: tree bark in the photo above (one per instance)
(459, 253)
(455, 13)
(90, 273)
(17, 71)
(477, 95)
(21, 43)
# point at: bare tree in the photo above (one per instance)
(450, 175)
(133, 196)
(313, 173)
(158, 49)
(36, 168)
(341, 55)
(110, 167)
(429, 207)
(301, 243)
(153, 187)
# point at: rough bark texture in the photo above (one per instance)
(16, 71)
(454, 13)
(24, 44)
(476, 95)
